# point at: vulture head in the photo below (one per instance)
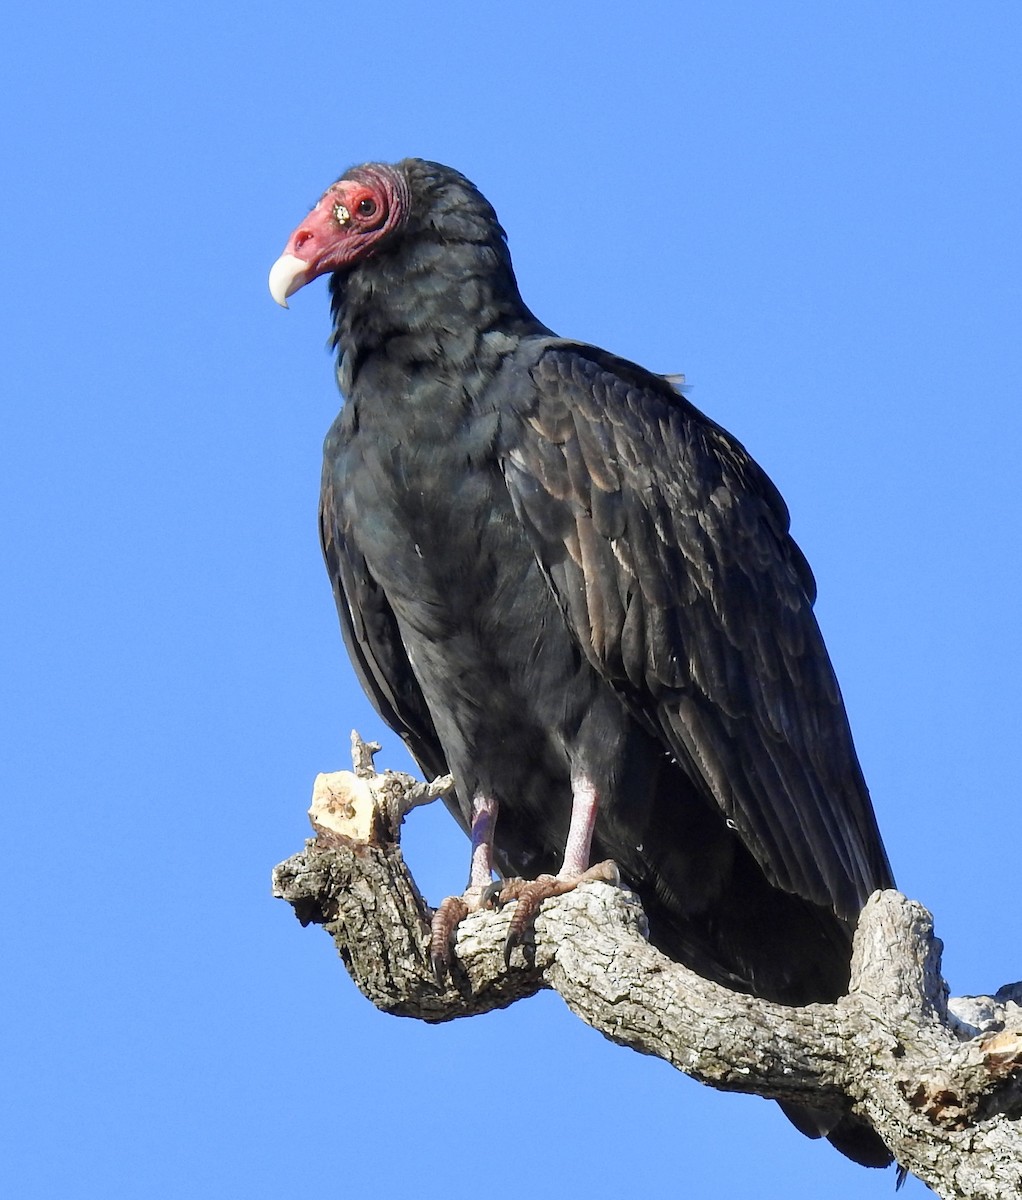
(377, 205)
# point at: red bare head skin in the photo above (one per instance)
(351, 218)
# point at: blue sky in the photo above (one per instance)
(809, 209)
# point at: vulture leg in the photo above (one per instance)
(575, 868)
(455, 909)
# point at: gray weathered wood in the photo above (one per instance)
(943, 1089)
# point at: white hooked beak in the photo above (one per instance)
(287, 275)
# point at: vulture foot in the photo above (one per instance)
(531, 893)
(446, 920)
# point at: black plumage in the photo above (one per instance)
(551, 568)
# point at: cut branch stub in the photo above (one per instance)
(365, 806)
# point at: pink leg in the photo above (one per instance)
(584, 805)
(575, 868)
(455, 909)
(484, 817)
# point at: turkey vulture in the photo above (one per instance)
(563, 583)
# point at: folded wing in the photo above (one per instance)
(668, 550)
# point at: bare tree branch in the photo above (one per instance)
(941, 1083)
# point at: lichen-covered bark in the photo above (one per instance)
(943, 1093)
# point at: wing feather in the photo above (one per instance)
(668, 550)
(372, 637)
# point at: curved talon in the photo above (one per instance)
(530, 896)
(446, 920)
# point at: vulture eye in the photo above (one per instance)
(367, 207)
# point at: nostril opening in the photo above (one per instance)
(301, 237)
